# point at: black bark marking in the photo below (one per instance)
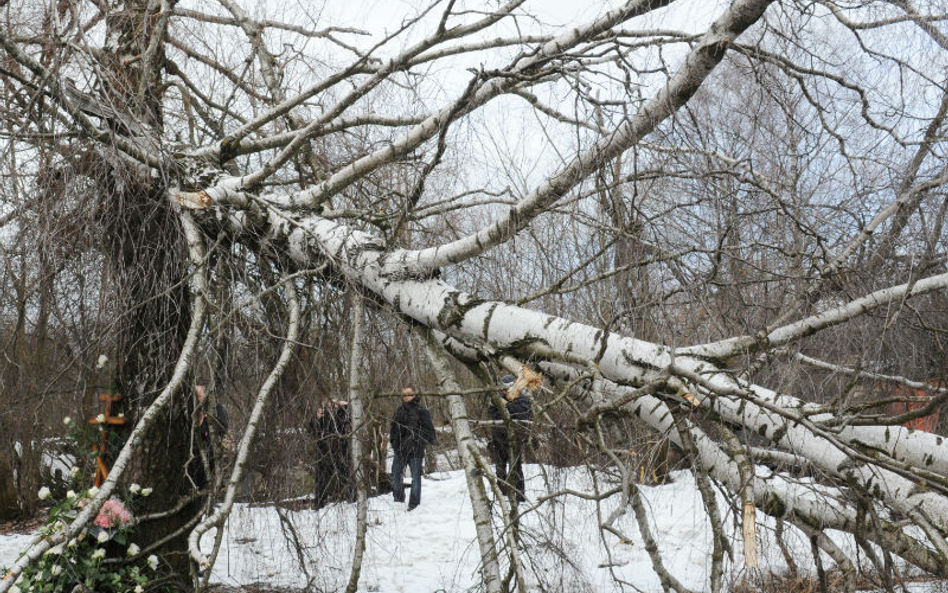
(487, 318)
(454, 309)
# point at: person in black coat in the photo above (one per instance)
(509, 442)
(410, 433)
(332, 476)
(211, 428)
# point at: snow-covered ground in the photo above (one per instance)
(433, 548)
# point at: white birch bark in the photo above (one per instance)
(466, 447)
(698, 65)
(358, 436)
(792, 332)
(495, 326)
(890, 463)
(823, 449)
(811, 503)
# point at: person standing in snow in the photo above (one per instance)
(212, 426)
(509, 442)
(410, 433)
(333, 476)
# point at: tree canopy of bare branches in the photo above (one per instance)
(714, 226)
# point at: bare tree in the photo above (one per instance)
(724, 227)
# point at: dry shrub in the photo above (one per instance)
(774, 583)
(865, 581)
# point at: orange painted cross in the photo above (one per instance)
(102, 470)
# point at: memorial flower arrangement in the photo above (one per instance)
(103, 557)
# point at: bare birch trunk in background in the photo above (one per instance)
(466, 448)
(357, 438)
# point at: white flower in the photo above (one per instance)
(71, 494)
(54, 551)
(99, 553)
(133, 549)
(93, 491)
(72, 543)
(134, 488)
(67, 420)
(138, 589)
(102, 537)
(146, 491)
(121, 414)
(74, 471)
(57, 570)
(103, 360)
(100, 418)
(153, 562)
(43, 493)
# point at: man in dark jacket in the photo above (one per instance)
(411, 432)
(332, 475)
(509, 442)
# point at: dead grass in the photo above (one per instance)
(26, 525)
(773, 583)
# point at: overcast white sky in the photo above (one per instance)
(520, 132)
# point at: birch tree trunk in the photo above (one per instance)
(467, 451)
(359, 436)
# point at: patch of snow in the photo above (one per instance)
(434, 546)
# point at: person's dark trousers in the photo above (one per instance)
(322, 486)
(398, 486)
(327, 483)
(502, 462)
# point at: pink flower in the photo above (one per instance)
(112, 514)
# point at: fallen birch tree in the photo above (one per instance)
(718, 214)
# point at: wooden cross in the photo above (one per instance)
(102, 470)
